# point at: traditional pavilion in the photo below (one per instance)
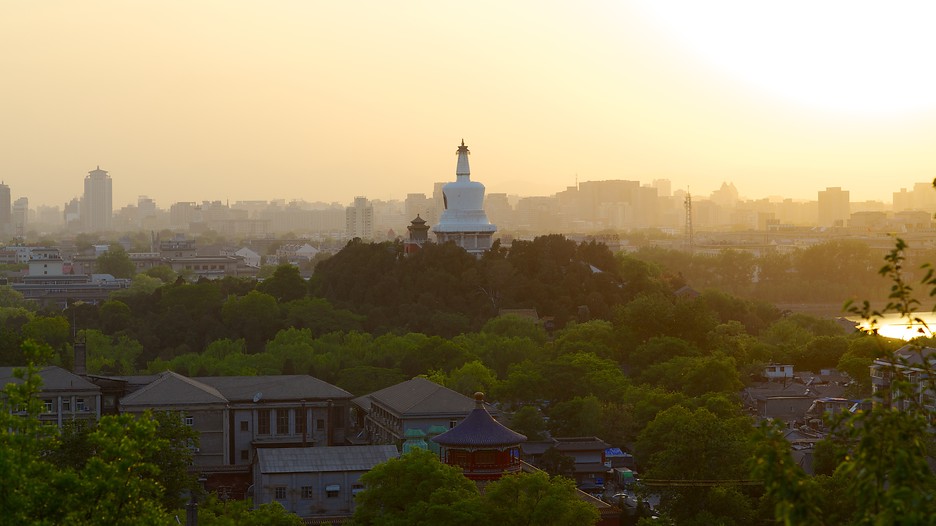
(484, 448)
(418, 235)
(464, 221)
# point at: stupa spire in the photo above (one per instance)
(461, 168)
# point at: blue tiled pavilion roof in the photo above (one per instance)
(479, 429)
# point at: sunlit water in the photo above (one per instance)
(893, 326)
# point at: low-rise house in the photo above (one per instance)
(201, 406)
(788, 399)
(387, 415)
(588, 453)
(236, 416)
(211, 267)
(296, 253)
(777, 371)
(281, 411)
(48, 284)
(913, 365)
(315, 482)
(65, 395)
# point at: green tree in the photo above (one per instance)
(115, 316)
(255, 317)
(528, 421)
(511, 325)
(140, 284)
(536, 498)
(883, 475)
(285, 284)
(54, 331)
(596, 336)
(580, 416)
(320, 316)
(471, 378)
(111, 354)
(116, 485)
(217, 512)
(163, 273)
(115, 262)
(686, 444)
(416, 489)
(13, 298)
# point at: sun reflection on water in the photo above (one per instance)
(894, 326)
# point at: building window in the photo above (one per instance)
(453, 423)
(320, 424)
(245, 425)
(307, 492)
(282, 421)
(332, 491)
(80, 405)
(300, 421)
(190, 421)
(47, 406)
(263, 421)
(279, 493)
(245, 454)
(66, 405)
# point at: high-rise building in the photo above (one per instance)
(359, 219)
(834, 207)
(97, 207)
(20, 217)
(146, 211)
(463, 218)
(6, 219)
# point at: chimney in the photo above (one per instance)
(81, 359)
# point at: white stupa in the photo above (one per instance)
(463, 220)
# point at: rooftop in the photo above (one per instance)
(418, 397)
(323, 459)
(54, 378)
(282, 387)
(479, 429)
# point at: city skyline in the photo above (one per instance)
(326, 101)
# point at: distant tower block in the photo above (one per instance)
(463, 220)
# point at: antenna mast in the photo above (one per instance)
(690, 243)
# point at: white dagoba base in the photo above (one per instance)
(473, 242)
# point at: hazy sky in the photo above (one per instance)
(188, 101)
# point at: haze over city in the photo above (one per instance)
(324, 101)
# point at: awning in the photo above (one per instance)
(333, 487)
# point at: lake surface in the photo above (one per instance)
(893, 326)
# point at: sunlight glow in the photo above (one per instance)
(856, 57)
(893, 326)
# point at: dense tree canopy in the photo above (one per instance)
(115, 262)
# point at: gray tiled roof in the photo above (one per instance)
(418, 396)
(54, 378)
(479, 429)
(174, 389)
(282, 387)
(581, 444)
(913, 356)
(321, 459)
